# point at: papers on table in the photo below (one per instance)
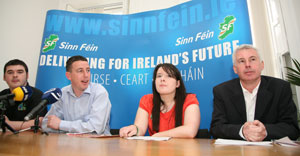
(241, 142)
(286, 141)
(149, 138)
(91, 135)
(283, 142)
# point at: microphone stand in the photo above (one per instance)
(3, 124)
(36, 126)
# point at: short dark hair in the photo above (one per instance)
(15, 62)
(73, 59)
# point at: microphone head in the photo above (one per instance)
(52, 95)
(22, 93)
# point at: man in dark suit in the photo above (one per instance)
(253, 107)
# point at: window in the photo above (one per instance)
(280, 42)
(95, 6)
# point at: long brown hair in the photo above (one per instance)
(179, 96)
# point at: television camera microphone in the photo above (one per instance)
(18, 94)
(49, 97)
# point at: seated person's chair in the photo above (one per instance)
(114, 131)
(203, 133)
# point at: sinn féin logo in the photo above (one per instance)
(50, 42)
(226, 27)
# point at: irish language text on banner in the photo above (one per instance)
(198, 37)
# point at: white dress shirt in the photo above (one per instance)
(250, 101)
(88, 113)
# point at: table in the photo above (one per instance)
(34, 144)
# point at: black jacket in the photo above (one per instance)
(18, 110)
(274, 108)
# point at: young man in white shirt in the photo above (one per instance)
(84, 106)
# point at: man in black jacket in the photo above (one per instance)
(253, 107)
(16, 75)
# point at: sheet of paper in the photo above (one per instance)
(91, 135)
(149, 138)
(87, 132)
(286, 141)
(242, 142)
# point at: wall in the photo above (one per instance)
(22, 24)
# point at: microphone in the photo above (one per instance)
(21, 93)
(48, 97)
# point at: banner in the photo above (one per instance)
(123, 50)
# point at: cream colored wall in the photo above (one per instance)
(21, 29)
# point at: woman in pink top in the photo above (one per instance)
(169, 111)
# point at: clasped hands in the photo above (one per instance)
(254, 131)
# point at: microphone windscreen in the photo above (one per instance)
(52, 95)
(22, 93)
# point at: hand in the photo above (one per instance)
(6, 118)
(41, 120)
(162, 134)
(128, 131)
(156, 135)
(53, 122)
(254, 131)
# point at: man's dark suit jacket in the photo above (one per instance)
(274, 108)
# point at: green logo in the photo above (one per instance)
(50, 43)
(22, 107)
(226, 27)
